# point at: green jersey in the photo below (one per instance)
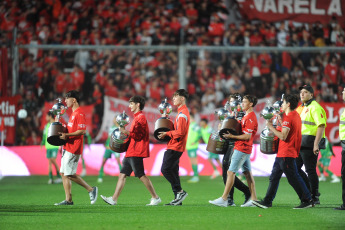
(328, 151)
(44, 138)
(193, 136)
(206, 133)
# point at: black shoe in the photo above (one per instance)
(305, 204)
(172, 204)
(316, 200)
(262, 204)
(342, 207)
(64, 202)
(180, 196)
(231, 202)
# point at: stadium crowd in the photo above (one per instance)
(47, 74)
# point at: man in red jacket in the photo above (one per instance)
(138, 149)
(176, 146)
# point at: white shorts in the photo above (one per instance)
(69, 163)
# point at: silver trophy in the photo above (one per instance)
(57, 127)
(119, 141)
(164, 124)
(268, 141)
(229, 123)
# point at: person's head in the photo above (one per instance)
(306, 93)
(248, 102)
(50, 117)
(71, 98)
(180, 97)
(136, 103)
(203, 122)
(234, 96)
(290, 101)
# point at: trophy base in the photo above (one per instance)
(53, 134)
(216, 146)
(119, 146)
(230, 125)
(163, 124)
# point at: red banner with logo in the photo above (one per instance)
(308, 11)
(333, 111)
(8, 118)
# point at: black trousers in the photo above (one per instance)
(343, 170)
(238, 183)
(288, 166)
(309, 160)
(170, 169)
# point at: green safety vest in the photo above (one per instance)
(312, 116)
(342, 126)
(193, 136)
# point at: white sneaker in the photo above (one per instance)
(93, 195)
(83, 173)
(215, 174)
(249, 203)
(50, 181)
(100, 180)
(335, 179)
(219, 202)
(108, 200)
(194, 179)
(154, 201)
(322, 177)
(58, 181)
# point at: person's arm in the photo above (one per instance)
(244, 137)
(179, 132)
(138, 133)
(281, 135)
(318, 137)
(65, 136)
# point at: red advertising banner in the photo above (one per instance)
(333, 112)
(308, 11)
(8, 117)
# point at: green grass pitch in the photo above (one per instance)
(27, 203)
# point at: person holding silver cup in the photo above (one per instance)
(73, 149)
(138, 149)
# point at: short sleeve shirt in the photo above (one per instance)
(76, 122)
(249, 124)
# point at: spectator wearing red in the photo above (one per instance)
(255, 39)
(140, 85)
(154, 91)
(175, 25)
(59, 83)
(78, 77)
(102, 75)
(191, 13)
(216, 27)
(331, 72)
(110, 89)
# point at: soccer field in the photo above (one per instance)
(27, 203)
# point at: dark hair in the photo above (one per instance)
(251, 99)
(235, 96)
(74, 94)
(182, 92)
(138, 99)
(293, 99)
(50, 114)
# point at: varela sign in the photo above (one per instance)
(308, 11)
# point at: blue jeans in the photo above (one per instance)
(288, 166)
(240, 160)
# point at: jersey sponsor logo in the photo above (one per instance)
(285, 123)
(70, 124)
(81, 125)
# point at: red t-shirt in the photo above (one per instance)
(139, 134)
(291, 146)
(249, 125)
(179, 135)
(76, 122)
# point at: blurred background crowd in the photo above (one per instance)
(45, 74)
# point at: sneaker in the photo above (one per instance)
(108, 200)
(100, 180)
(219, 202)
(64, 202)
(154, 201)
(93, 195)
(342, 207)
(58, 181)
(215, 174)
(261, 204)
(306, 204)
(322, 177)
(172, 203)
(231, 202)
(194, 179)
(249, 203)
(83, 172)
(180, 197)
(50, 181)
(335, 179)
(246, 198)
(316, 200)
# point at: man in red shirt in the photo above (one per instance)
(138, 149)
(288, 150)
(73, 149)
(241, 155)
(176, 146)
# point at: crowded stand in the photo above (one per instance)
(46, 74)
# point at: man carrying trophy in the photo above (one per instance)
(289, 147)
(73, 149)
(138, 149)
(176, 146)
(241, 155)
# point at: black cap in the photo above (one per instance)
(307, 87)
(74, 94)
